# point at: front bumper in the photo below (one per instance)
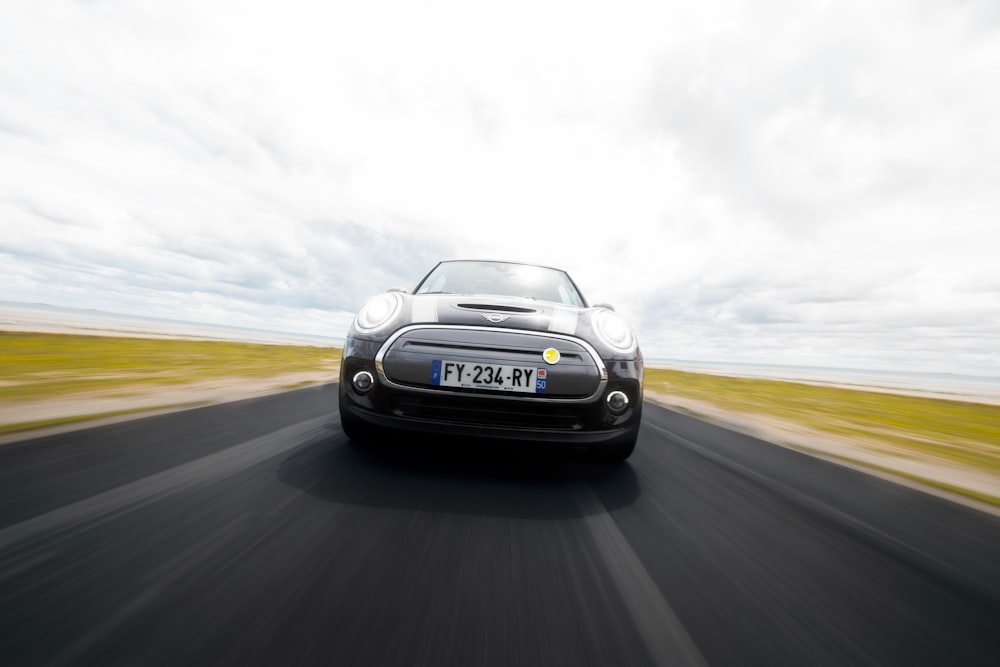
(578, 413)
(453, 429)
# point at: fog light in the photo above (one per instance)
(363, 382)
(617, 402)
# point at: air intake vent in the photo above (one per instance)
(495, 308)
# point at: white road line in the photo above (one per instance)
(661, 630)
(128, 497)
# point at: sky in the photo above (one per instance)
(803, 182)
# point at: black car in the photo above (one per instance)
(501, 350)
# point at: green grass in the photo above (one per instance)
(962, 432)
(38, 365)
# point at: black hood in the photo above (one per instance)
(507, 312)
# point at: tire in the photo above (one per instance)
(352, 429)
(617, 453)
(623, 451)
(356, 430)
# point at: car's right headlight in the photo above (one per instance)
(613, 330)
(378, 312)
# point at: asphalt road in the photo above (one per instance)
(255, 533)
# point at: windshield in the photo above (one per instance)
(500, 278)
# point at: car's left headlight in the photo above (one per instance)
(614, 331)
(378, 312)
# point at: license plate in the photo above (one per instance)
(472, 375)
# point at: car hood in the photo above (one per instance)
(495, 311)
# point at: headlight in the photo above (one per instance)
(378, 312)
(613, 330)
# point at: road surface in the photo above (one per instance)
(255, 533)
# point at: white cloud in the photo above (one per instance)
(784, 181)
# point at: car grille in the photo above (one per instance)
(407, 360)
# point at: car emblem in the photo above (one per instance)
(495, 318)
(551, 356)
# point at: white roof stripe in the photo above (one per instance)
(564, 320)
(424, 310)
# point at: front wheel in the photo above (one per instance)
(355, 429)
(617, 453)
(352, 429)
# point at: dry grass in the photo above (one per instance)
(962, 432)
(40, 367)
(49, 365)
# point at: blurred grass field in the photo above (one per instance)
(966, 433)
(35, 367)
(39, 366)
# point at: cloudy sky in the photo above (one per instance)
(796, 182)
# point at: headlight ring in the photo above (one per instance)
(378, 312)
(613, 330)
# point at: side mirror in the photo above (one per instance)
(604, 305)
(401, 290)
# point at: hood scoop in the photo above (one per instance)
(496, 308)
